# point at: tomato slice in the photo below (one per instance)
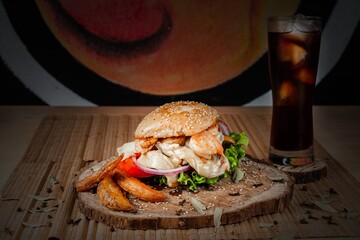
(127, 165)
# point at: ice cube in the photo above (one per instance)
(297, 37)
(291, 52)
(306, 76)
(307, 24)
(280, 27)
(286, 91)
(299, 17)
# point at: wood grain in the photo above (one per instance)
(257, 195)
(61, 146)
(308, 173)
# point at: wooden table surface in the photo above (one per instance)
(336, 128)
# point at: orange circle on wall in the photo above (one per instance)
(163, 47)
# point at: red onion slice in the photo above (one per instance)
(161, 172)
(224, 128)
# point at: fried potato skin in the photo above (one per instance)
(137, 188)
(92, 177)
(111, 196)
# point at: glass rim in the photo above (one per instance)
(294, 18)
(302, 23)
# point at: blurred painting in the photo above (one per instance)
(147, 52)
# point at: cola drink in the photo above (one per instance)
(293, 51)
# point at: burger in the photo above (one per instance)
(180, 143)
(185, 143)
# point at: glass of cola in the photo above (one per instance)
(293, 53)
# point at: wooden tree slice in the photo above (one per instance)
(263, 190)
(308, 173)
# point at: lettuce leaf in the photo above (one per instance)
(193, 179)
(236, 151)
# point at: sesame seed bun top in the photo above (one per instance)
(182, 118)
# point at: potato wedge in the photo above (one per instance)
(137, 188)
(95, 173)
(111, 196)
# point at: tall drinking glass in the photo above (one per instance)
(294, 44)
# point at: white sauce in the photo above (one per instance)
(128, 149)
(171, 156)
